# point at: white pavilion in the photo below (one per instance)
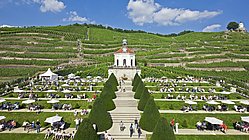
(124, 63)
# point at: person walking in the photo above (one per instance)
(121, 124)
(136, 123)
(131, 130)
(123, 89)
(38, 126)
(139, 131)
(172, 124)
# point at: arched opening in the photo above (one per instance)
(117, 62)
(124, 62)
(131, 62)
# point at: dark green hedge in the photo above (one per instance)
(86, 131)
(100, 116)
(107, 100)
(150, 116)
(136, 82)
(139, 90)
(143, 99)
(163, 131)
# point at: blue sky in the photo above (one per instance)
(157, 16)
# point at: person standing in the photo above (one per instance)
(139, 131)
(123, 89)
(106, 135)
(77, 121)
(121, 124)
(131, 130)
(172, 124)
(176, 125)
(136, 123)
(38, 126)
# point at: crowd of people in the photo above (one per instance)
(10, 124)
(242, 126)
(9, 106)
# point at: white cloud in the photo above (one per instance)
(3, 26)
(146, 11)
(3, 2)
(50, 5)
(211, 28)
(17, 3)
(74, 17)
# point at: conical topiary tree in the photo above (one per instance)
(112, 83)
(150, 116)
(86, 131)
(143, 99)
(135, 77)
(138, 80)
(163, 131)
(107, 100)
(100, 116)
(108, 88)
(139, 90)
(113, 78)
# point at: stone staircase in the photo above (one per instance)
(126, 111)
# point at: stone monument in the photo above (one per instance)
(124, 63)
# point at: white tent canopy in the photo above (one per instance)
(50, 74)
(51, 91)
(191, 102)
(244, 102)
(228, 102)
(2, 117)
(66, 91)
(3, 100)
(246, 119)
(212, 103)
(213, 120)
(53, 101)
(65, 85)
(71, 76)
(28, 101)
(53, 119)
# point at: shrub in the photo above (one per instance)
(76, 106)
(108, 88)
(89, 106)
(112, 83)
(86, 131)
(171, 107)
(100, 116)
(150, 116)
(114, 79)
(136, 82)
(107, 100)
(143, 99)
(185, 124)
(163, 131)
(162, 96)
(139, 90)
(135, 77)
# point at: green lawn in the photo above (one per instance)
(19, 117)
(207, 137)
(192, 118)
(179, 84)
(191, 88)
(164, 94)
(165, 105)
(20, 136)
(82, 103)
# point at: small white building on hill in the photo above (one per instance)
(124, 63)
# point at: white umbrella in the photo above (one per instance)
(53, 119)
(66, 91)
(212, 103)
(89, 77)
(191, 102)
(28, 101)
(163, 77)
(77, 77)
(98, 77)
(228, 102)
(246, 119)
(244, 102)
(65, 85)
(53, 101)
(18, 90)
(2, 117)
(3, 100)
(213, 120)
(178, 77)
(50, 91)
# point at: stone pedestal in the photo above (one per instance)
(127, 73)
